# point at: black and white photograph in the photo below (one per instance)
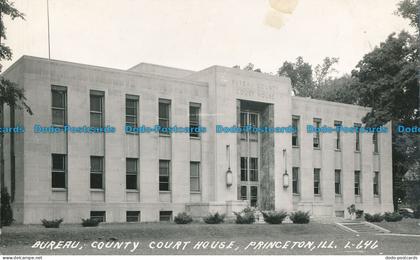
(209, 127)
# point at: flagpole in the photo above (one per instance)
(48, 26)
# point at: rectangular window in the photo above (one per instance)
(164, 114)
(165, 215)
(253, 169)
(253, 121)
(194, 119)
(357, 183)
(357, 136)
(96, 172)
(96, 109)
(317, 181)
(131, 110)
(244, 195)
(295, 180)
(133, 216)
(243, 122)
(376, 184)
(244, 168)
(375, 142)
(295, 135)
(131, 171)
(337, 126)
(337, 182)
(58, 171)
(317, 139)
(98, 215)
(164, 175)
(59, 105)
(195, 176)
(253, 196)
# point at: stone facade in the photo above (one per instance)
(225, 96)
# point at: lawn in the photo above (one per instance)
(313, 238)
(405, 226)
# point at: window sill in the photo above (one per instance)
(317, 195)
(164, 191)
(132, 191)
(377, 196)
(357, 151)
(195, 137)
(375, 153)
(296, 194)
(295, 146)
(195, 192)
(59, 189)
(317, 148)
(97, 190)
(164, 135)
(337, 150)
(338, 195)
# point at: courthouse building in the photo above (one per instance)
(129, 177)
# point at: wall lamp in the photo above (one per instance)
(229, 175)
(285, 174)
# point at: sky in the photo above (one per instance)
(196, 34)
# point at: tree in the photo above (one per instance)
(10, 94)
(249, 67)
(385, 80)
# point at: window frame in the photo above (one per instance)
(169, 175)
(136, 214)
(357, 183)
(317, 135)
(194, 123)
(338, 135)
(295, 135)
(135, 117)
(101, 112)
(101, 172)
(169, 215)
(99, 215)
(59, 171)
(357, 143)
(317, 171)
(131, 173)
(167, 103)
(196, 178)
(62, 90)
(376, 184)
(295, 181)
(375, 142)
(337, 185)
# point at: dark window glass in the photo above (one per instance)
(295, 135)
(96, 172)
(244, 169)
(131, 173)
(317, 139)
(244, 193)
(133, 216)
(337, 182)
(131, 111)
(194, 176)
(194, 119)
(295, 180)
(59, 106)
(376, 183)
(165, 215)
(164, 175)
(317, 181)
(253, 121)
(98, 215)
(164, 115)
(375, 142)
(96, 110)
(243, 123)
(337, 125)
(58, 171)
(253, 169)
(254, 196)
(357, 182)
(357, 137)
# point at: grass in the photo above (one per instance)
(19, 239)
(405, 226)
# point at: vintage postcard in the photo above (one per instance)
(209, 127)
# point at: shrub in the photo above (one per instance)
(6, 209)
(183, 218)
(90, 222)
(215, 218)
(300, 217)
(351, 209)
(246, 216)
(417, 212)
(55, 223)
(359, 213)
(274, 217)
(392, 216)
(374, 218)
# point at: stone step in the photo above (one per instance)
(362, 227)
